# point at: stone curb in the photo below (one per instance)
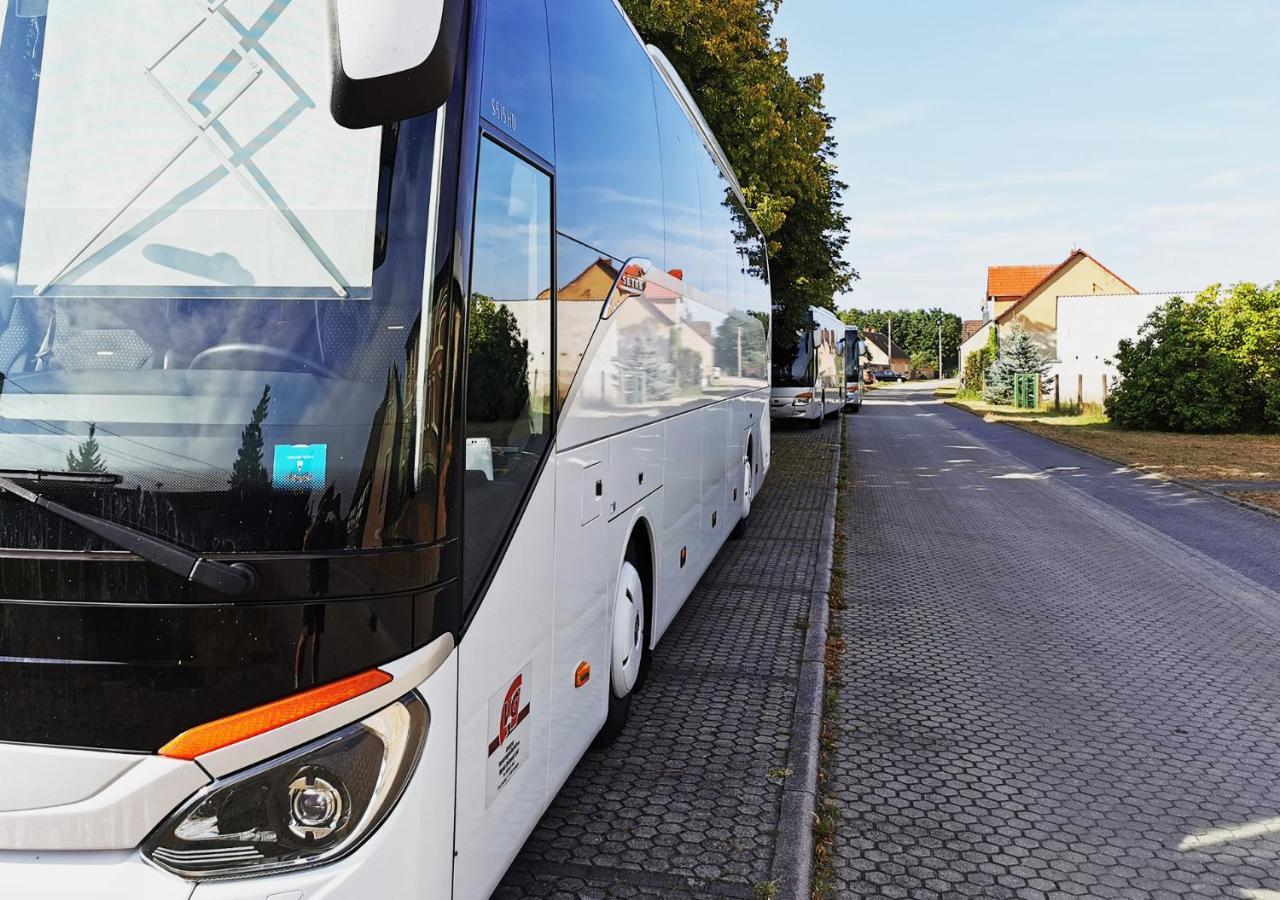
(1189, 485)
(792, 866)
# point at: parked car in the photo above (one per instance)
(889, 375)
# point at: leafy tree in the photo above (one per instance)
(87, 456)
(914, 330)
(777, 134)
(249, 471)
(1205, 365)
(924, 359)
(1018, 355)
(1246, 324)
(498, 363)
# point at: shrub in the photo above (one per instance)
(973, 380)
(1187, 371)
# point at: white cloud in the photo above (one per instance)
(1231, 178)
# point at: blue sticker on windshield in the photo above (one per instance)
(300, 467)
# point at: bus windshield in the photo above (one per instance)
(795, 369)
(207, 287)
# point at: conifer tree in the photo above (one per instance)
(1018, 355)
(87, 456)
(249, 471)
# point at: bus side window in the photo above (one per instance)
(608, 165)
(509, 364)
(517, 73)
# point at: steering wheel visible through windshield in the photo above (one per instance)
(206, 285)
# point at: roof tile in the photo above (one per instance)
(1014, 281)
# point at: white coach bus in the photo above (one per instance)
(810, 385)
(377, 379)
(854, 389)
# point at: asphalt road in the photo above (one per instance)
(1236, 537)
(1059, 680)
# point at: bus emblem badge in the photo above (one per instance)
(508, 746)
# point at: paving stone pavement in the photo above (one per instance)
(686, 803)
(1041, 697)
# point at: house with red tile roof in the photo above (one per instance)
(1028, 296)
(1006, 285)
(1036, 310)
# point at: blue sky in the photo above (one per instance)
(995, 132)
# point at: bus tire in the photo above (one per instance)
(628, 663)
(815, 424)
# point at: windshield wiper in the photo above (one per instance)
(232, 579)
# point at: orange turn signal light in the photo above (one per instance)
(238, 727)
(583, 675)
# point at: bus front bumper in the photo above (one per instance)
(788, 410)
(409, 855)
(122, 875)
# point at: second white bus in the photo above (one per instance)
(809, 385)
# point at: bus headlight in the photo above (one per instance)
(306, 808)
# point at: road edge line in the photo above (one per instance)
(792, 866)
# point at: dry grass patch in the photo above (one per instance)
(1269, 499)
(1193, 457)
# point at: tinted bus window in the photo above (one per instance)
(508, 350)
(608, 171)
(517, 73)
(681, 194)
(742, 229)
(584, 278)
(715, 230)
(797, 368)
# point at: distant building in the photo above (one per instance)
(884, 357)
(1077, 311)
(1006, 285)
(1037, 309)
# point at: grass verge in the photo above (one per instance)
(1189, 457)
(1266, 499)
(827, 818)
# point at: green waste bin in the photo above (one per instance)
(1026, 390)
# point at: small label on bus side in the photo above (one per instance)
(508, 735)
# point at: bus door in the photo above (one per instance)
(505, 658)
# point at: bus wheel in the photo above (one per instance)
(741, 528)
(815, 424)
(629, 649)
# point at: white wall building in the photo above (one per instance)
(1090, 328)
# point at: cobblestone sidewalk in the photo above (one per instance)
(688, 801)
(1041, 696)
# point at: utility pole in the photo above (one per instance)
(889, 354)
(939, 348)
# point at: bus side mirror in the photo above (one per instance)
(391, 59)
